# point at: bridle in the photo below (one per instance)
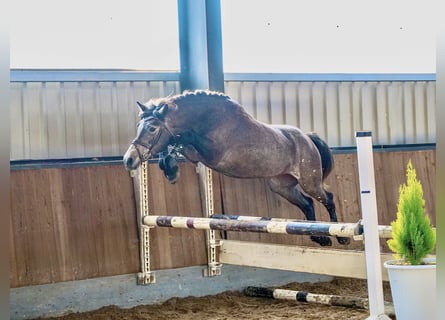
(148, 147)
(155, 140)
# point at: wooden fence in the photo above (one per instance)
(79, 223)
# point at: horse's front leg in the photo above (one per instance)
(169, 166)
(195, 148)
(191, 153)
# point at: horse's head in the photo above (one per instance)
(152, 135)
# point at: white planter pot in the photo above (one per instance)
(413, 289)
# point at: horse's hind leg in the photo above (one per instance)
(287, 187)
(315, 189)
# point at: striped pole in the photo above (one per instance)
(326, 299)
(384, 231)
(295, 227)
(303, 296)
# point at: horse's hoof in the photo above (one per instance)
(322, 241)
(344, 240)
(172, 180)
(172, 177)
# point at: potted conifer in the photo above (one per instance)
(412, 275)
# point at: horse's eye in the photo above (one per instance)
(151, 129)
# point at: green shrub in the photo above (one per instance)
(413, 238)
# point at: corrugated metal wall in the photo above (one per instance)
(96, 119)
(77, 119)
(396, 112)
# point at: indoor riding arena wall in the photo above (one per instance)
(78, 220)
(55, 119)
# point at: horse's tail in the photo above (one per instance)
(327, 160)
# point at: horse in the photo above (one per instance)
(211, 128)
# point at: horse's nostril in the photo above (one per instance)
(129, 161)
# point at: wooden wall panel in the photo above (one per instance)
(78, 223)
(252, 196)
(390, 170)
(175, 248)
(72, 223)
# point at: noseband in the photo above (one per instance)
(148, 147)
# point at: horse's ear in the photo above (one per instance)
(142, 107)
(161, 111)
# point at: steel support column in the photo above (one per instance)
(200, 44)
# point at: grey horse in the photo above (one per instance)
(211, 128)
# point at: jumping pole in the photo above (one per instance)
(303, 296)
(308, 297)
(261, 226)
(370, 224)
(384, 231)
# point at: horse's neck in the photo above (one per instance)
(206, 114)
(204, 126)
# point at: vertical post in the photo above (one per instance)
(146, 276)
(200, 44)
(214, 45)
(206, 180)
(370, 225)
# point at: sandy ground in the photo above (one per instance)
(235, 305)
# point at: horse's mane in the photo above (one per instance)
(182, 97)
(195, 94)
(200, 93)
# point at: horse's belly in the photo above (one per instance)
(253, 164)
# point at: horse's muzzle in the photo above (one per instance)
(131, 159)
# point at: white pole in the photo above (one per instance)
(370, 225)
